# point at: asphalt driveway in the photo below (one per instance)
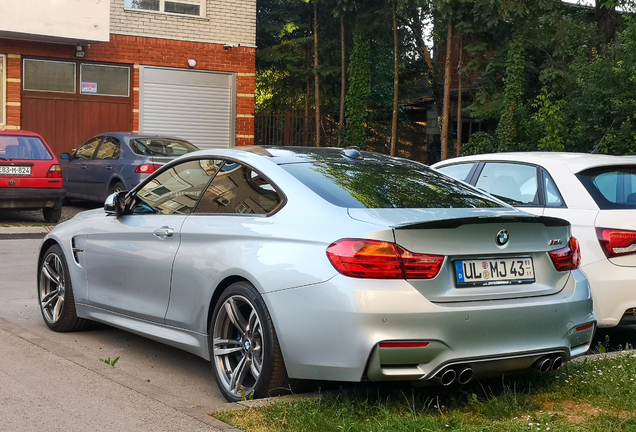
(55, 381)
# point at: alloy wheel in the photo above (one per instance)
(238, 346)
(52, 288)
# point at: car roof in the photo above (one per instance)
(133, 135)
(575, 162)
(290, 155)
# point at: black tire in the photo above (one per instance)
(116, 187)
(55, 293)
(52, 214)
(246, 341)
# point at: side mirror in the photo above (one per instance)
(65, 156)
(115, 204)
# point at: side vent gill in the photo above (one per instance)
(76, 251)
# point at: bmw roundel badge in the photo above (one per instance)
(502, 238)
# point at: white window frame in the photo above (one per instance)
(201, 3)
(3, 89)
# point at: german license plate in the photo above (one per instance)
(508, 271)
(15, 170)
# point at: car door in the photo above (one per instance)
(230, 220)
(518, 184)
(74, 170)
(129, 258)
(100, 170)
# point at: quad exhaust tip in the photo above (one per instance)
(545, 364)
(461, 375)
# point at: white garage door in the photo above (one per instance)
(195, 105)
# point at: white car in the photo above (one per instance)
(595, 193)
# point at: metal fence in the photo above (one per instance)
(284, 129)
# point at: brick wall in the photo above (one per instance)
(135, 51)
(226, 22)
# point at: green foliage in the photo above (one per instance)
(507, 131)
(110, 362)
(596, 395)
(602, 107)
(359, 75)
(551, 116)
(480, 143)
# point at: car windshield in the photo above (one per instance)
(386, 184)
(161, 147)
(612, 187)
(16, 147)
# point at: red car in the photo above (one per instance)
(30, 175)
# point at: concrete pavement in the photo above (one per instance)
(55, 381)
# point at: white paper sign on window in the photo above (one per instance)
(89, 88)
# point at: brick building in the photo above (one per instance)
(71, 69)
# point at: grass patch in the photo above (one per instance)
(597, 395)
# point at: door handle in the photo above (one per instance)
(164, 232)
(109, 167)
(83, 166)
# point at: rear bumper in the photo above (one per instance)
(333, 331)
(613, 292)
(31, 198)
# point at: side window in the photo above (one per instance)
(177, 190)
(457, 171)
(552, 195)
(514, 183)
(110, 149)
(239, 189)
(87, 149)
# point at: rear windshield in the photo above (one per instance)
(612, 187)
(161, 147)
(13, 147)
(392, 184)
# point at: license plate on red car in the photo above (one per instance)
(14, 170)
(506, 271)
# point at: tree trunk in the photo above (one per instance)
(458, 142)
(416, 29)
(396, 81)
(608, 22)
(316, 76)
(306, 119)
(343, 80)
(447, 84)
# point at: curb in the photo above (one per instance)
(23, 232)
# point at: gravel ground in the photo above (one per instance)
(35, 218)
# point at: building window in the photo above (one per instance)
(49, 76)
(103, 80)
(3, 99)
(181, 7)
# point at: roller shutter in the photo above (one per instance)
(195, 105)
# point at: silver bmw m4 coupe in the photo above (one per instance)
(287, 264)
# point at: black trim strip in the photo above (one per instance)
(479, 220)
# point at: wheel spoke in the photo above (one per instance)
(49, 298)
(50, 273)
(57, 310)
(254, 324)
(239, 374)
(255, 370)
(235, 315)
(220, 347)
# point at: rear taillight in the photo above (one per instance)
(616, 242)
(54, 172)
(381, 260)
(567, 258)
(147, 168)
